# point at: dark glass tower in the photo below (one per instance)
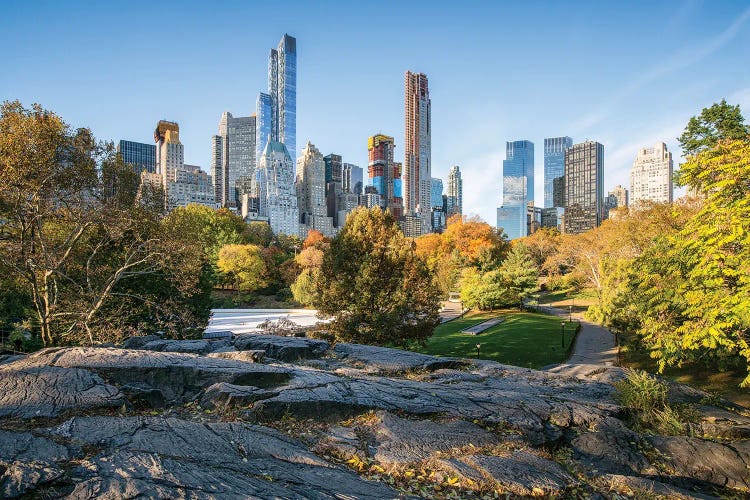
(554, 166)
(140, 155)
(584, 187)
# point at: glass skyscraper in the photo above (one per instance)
(518, 188)
(436, 193)
(554, 166)
(352, 178)
(263, 123)
(138, 154)
(282, 88)
(234, 158)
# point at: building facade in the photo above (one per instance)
(584, 187)
(518, 188)
(384, 175)
(138, 154)
(417, 172)
(651, 176)
(333, 182)
(311, 191)
(282, 90)
(352, 179)
(554, 167)
(437, 212)
(191, 185)
(182, 184)
(277, 196)
(455, 192)
(263, 123)
(233, 159)
(170, 153)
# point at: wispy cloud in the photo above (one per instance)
(678, 61)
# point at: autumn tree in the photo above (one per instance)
(373, 286)
(541, 245)
(309, 260)
(245, 265)
(474, 242)
(259, 233)
(467, 242)
(76, 241)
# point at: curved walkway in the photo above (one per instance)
(594, 345)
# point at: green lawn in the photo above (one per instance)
(524, 339)
(578, 300)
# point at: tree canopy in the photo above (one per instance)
(373, 285)
(95, 263)
(719, 122)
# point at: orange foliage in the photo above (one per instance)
(314, 238)
(428, 245)
(470, 236)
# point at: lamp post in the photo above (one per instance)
(562, 332)
(478, 346)
(570, 313)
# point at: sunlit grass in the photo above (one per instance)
(523, 339)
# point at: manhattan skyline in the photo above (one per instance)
(604, 73)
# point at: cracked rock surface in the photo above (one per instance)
(213, 420)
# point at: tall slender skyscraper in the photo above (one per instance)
(584, 187)
(417, 149)
(455, 194)
(651, 175)
(217, 168)
(554, 166)
(436, 193)
(518, 188)
(282, 89)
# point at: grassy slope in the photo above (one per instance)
(523, 339)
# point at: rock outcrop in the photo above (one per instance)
(212, 419)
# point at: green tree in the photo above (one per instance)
(259, 233)
(518, 275)
(76, 241)
(304, 289)
(721, 121)
(245, 264)
(506, 286)
(374, 286)
(210, 227)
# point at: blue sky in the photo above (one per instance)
(627, 74)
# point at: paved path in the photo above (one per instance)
(449, 310)
(595, 345)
